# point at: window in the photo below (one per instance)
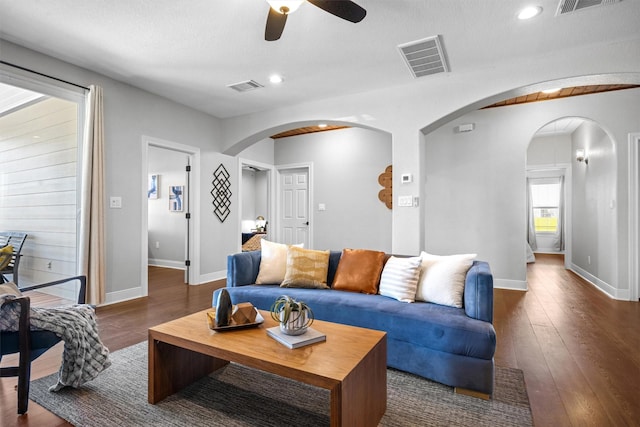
(40, 146)
(546, 206)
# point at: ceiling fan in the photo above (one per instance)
(279, 10)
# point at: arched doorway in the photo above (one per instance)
(571, 203)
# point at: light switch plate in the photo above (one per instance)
(405, 201)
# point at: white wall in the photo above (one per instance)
(130, 113)
(405, 112)
(485, 170)
(254, 196)
(549, 156)
(551, 150)
(594, 206)
(346, 166)
(422, 105)
(167, 229)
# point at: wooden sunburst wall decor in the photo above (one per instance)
(386, 180)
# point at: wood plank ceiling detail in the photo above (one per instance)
(532, 97)
(307, 129)
(563, 93)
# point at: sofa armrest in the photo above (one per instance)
(478, 292)
(242, 268)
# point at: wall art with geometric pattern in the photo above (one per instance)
(221, 193)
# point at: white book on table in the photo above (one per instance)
(311, 336)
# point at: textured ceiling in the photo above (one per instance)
(189, 51)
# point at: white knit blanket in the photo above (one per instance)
(84, 356)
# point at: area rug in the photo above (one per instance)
(241, 396)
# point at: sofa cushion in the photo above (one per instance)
(359, 271)
(306, 268)
(442, 278)
(273, 262)
(399, 278)
(433, 326)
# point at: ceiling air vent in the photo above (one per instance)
(424, 57)
(245, 86)
(568, 6)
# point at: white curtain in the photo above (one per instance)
(92, 242)
(558, 241)
(531, 226)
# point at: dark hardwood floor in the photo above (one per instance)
(578, 348)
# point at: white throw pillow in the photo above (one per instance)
(399, 278)
(273, 262)
(442, 278)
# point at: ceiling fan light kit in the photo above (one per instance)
(285, 6)
(279, 10)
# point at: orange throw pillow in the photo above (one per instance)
(359, 270)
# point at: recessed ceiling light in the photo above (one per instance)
(322, 125)
(275, 79)
(529, 12)
(554, 90)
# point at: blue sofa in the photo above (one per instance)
(453, 346)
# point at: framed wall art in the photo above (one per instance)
(176, 198)
(152, 188)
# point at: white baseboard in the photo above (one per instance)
(601, 285)
(212, 277)
(120, 296)
(166, 263)
(514, 285)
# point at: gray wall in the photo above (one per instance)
(254, 196)
(594, 206)
(550, 156)
(475, 186)
(402, 112)
(130, 113)
(346, 165)
(549, 150)
(166, 228)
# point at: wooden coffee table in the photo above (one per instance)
(352, 363)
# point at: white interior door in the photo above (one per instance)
(294, 206)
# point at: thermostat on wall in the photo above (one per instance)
(406, 178)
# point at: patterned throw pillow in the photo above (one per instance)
(6, 253)
(273, 263)
(400, 278)
(359, 271)
(306, 268)
(442, 278)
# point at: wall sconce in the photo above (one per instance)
(581, 156)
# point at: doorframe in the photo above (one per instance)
(194, 229)
(279, 169)
(271, 176)
(634, 215)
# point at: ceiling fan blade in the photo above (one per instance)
(275, 25)
(342, 9)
